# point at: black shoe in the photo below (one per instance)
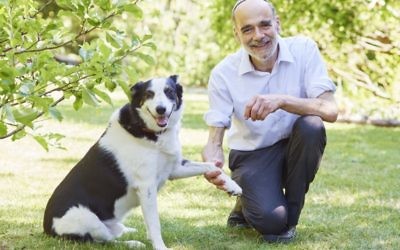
(236, 218)
(284, 237)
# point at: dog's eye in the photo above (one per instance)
(149, 94)
(170, 93)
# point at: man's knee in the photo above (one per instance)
(310, 128)
(267, 221)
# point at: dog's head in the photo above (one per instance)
(158, 102)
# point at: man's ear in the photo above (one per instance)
(278, 24)
(235, 33)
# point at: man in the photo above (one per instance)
(272, 96)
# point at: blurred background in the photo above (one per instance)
(57, 50)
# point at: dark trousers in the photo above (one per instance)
(275, 179)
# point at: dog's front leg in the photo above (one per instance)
(189, 168)
(148, 202)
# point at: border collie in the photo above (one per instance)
(125, 168)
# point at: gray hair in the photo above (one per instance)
(239, 2)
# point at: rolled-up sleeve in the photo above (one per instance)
(316, 76)
(220, 103)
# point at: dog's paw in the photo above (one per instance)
(134, 244)
(231, 187)
(234, 190)
(130, 230)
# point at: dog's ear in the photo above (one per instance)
(136, 87)
(179, 94)
(174, 78)
(136, 91)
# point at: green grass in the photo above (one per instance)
(354, 202)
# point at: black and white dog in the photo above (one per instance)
(130, 162)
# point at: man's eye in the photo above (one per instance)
(246, 31)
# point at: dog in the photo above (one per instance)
(138, 152)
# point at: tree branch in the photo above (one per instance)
(22, 127)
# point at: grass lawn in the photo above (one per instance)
(354, 202)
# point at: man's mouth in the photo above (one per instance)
(260, 45)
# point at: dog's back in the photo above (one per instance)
(95, 182)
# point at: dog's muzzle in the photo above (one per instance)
(160, 117)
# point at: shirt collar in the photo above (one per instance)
(246, 66)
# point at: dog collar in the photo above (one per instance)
(146, 130)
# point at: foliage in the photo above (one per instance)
(185, 42)
(74, 50)
(358, 38)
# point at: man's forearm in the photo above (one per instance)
(324, 106)
(216, 136)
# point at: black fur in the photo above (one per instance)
(80, 187)
(131, 121)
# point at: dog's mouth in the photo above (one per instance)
(161, 120)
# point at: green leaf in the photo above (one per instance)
(42, 103)
(26, 88)
(3, 129)
(103, 95)
(147, 37)
(25, 116)
(9, 114)
(18, 135)
(112, 40)
(151, 45)
(86, 54)
(42, 141)
(132, 74)
(65, 4)
(146, 58)
(110, 85)
(78, 103)
(55, 114)
(89, 97)
(134, 9)
(125, 88)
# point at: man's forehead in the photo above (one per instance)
(252, 9)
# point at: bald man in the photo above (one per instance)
(271, 97)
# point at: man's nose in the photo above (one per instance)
(258, 34)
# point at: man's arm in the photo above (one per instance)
(213, 152)
(323, 106)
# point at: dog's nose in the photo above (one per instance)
(160, 110)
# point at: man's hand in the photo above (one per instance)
(262, 105)
(324, 106)
(214, 153)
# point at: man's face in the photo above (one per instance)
(256, 28)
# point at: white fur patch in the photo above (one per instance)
(80, 220)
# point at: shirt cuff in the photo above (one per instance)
(217, 119)
(316, 91)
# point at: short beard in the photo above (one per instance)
(268, 56)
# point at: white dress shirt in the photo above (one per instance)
(299, 71)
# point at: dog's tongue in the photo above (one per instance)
(162, 121)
